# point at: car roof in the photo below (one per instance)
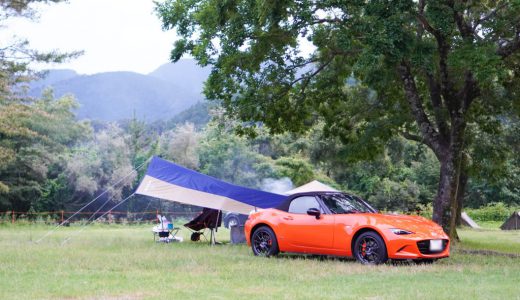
(285, 204)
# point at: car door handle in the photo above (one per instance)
(288, 218)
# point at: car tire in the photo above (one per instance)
(370, 249)
(263, 242)
(232, 222)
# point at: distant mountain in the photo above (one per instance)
(114, 96)
(198, 114)
(54, 76)
(185, 72)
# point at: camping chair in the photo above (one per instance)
(165, 231)
(208, 219)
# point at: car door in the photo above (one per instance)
(303, 232)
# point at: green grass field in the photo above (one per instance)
(123, 262)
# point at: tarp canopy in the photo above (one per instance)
(313, 186)
(466, 220)
(166, 180)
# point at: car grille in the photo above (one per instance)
(424, 247)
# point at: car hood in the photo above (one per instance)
(416, 224)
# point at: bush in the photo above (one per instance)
(425, 210)
(396, 196)
(496, 211)
(5, 217)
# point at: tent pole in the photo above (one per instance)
(213, 237)
(93, 200)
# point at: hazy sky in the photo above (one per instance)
(116, 35)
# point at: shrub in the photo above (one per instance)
(425, 210)
(496, 211)
(396, 196)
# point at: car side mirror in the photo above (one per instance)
(314, 212)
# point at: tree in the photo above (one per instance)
(102, 163)
(143, 142)
(32, 138)
(297, 169)
(421, 69)
(231, 158)
(32, 132)
(16, 55)
(400, 178)
(182, 145)
(495, 171)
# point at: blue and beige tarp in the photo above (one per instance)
(166, 180)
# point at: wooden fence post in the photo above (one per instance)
(12, 217)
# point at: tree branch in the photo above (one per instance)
(436, 101)
(431, 136)
(490, 15)
(420, 26)
(307, 79)
(506, 48)
(422, 19)
(443, 47)
(327, 21)
(295, 66)
(412, 137)
(465, 29)
(469, 92)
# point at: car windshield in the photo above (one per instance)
(345, 204)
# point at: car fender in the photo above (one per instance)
(345, 235)
(260, 219)
(359, 230)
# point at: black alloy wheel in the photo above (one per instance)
(370, 249)
(263, 242)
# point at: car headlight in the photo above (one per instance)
(400, 231)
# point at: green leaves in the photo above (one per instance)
(32, 139)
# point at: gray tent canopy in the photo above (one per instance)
(513, 223)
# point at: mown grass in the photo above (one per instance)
(491, 239)
(123, 262)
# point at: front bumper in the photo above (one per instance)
(417, 248)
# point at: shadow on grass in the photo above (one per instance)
(316, 257)
(488, 253)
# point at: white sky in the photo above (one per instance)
(116, 35)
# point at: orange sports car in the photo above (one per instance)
(333, 223)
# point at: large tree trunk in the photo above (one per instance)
(448, 181)
(445, 205)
